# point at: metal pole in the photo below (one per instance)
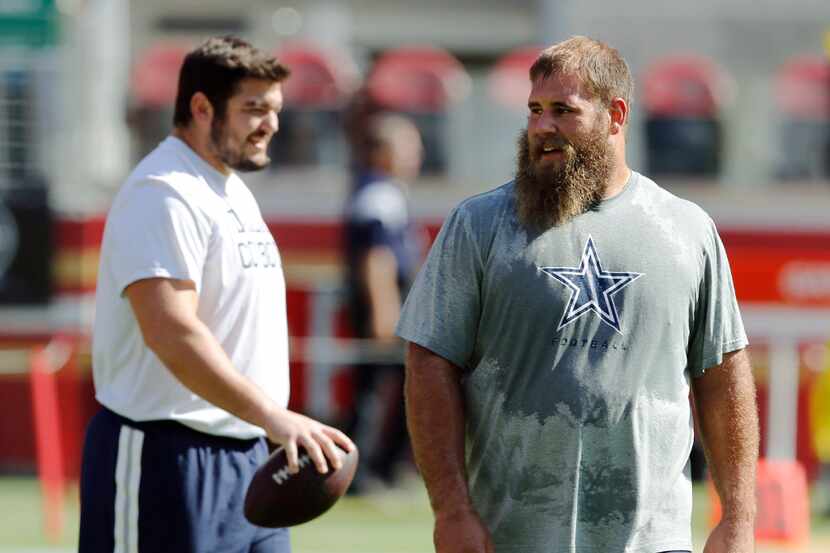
(324, 304)
(783, 399)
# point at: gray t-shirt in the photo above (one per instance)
(577, 345)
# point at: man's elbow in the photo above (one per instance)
(164, 337)
(154, 338)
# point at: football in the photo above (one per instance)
(276, 498)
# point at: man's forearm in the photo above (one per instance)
(728, 421)
(435, 416)
(380, 272)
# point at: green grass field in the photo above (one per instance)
(395, 521)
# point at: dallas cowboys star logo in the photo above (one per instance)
(592, 288)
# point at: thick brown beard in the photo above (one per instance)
(551, 199)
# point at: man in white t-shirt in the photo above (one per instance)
(190, 346)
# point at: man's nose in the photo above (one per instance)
(271, 122)
(546, 123)
(550, 122)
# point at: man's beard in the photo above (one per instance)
(233, 155)
(549, 197)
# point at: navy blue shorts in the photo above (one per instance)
(161, 486)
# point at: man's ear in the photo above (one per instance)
(201, 109)
(619, 115)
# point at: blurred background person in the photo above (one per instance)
(382, 250)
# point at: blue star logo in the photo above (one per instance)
(592, 288)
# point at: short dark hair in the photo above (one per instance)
(600, 67)
(215, 69)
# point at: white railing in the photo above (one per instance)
(784, 330)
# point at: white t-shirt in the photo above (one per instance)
(177, 217)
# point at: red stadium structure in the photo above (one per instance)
(417, 79)
(509, 80)
(320, 78)
(155, 77)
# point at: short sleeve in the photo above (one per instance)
(717, 327)
(376, 213)
(442, 310)
(368, 234)
(154, 232)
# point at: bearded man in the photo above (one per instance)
(190, 345)
(555, 334)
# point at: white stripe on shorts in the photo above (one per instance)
(127, 480)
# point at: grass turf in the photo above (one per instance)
(394, 521)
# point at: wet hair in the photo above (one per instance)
(215, 69)
(600, 68)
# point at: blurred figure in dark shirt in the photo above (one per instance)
(383, 249)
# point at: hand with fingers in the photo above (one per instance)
(290, 430)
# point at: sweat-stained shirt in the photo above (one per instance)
(577, 346)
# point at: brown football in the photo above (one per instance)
(277, 498)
